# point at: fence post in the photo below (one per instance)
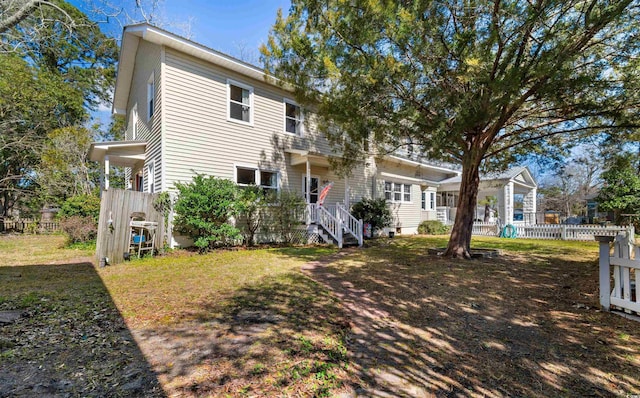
(605, 272)
(563, 232)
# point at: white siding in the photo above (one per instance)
(200, 139)
(147, 64)
(407, 215)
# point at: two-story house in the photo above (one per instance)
(191, 109)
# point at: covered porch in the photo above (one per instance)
(508, 198)
(328, 198)
(129, 154)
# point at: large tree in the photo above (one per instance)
(32, 103)
(480, 83)
(621, 190)
(55, 66)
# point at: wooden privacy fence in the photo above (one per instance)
(28, 225)
(554, 231)
(625, 261)
(116, 207)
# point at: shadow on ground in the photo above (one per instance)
(68, 339)
(283, 336)
(513, 326)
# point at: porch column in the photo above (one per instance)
(106, 172)
(529, 206)
(508, 203)
(308, 188)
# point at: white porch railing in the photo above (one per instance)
(485, 229)
(331, 224)
(334, 218)
(626, 274)
(350, 223)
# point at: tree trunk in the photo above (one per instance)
(460, 240)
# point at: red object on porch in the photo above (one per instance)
(324, 193)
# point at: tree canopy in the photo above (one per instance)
(55, 66)
(480, 83)
(621, 190)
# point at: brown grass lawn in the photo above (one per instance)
(387, 320)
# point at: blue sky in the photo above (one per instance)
(225, 25)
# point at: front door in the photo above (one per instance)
(315, 183)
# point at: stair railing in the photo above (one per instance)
(350, 223)
(331, 224)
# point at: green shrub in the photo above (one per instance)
(374, 212)
(203, 211)
(82, 206)
(250, 204)
(283, 215)
(432, 227)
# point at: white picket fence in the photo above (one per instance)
(625, 260)
(553, 231)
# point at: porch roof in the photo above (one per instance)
(520, 176)
(299, 156)
(120, 153)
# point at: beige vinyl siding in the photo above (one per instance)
(200, 139)
(148, 63)
(407, 216)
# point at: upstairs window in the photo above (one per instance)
(151, 96)
(240, 102)
(292, 118)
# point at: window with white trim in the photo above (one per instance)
(397, 192)
(269, 181)
(151, 177)
(151, 96)
(388, 189)
(265, 179)
(292, 117)
(428, 200)
(240, 102)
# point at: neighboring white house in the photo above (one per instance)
(190, 109)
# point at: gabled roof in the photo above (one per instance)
(518, 175)
(131, 36)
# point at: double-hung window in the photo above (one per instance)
(151, 96)
(397, 192)
(388, 189)
(428, 200)
(240, 102)
(265, 179)
(292, 118)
